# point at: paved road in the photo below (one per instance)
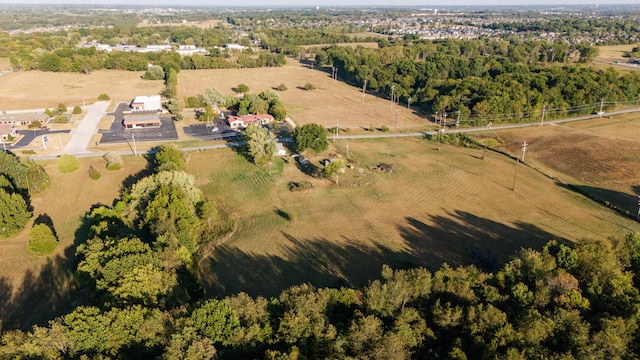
(385, 135)
(81, 136)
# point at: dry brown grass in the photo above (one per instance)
(37, 89)
(330, 101)
(4, 64)
(609, 55)
(597, 155)
(370, 45)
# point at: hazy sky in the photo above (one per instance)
(323, 3)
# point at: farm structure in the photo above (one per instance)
(237, 122)
(146, 103)
(141, 121)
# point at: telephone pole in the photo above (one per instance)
(393, 88)
(638, 216)
(364, 90)
(544, 109)
(524, 150)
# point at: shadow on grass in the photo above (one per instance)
(459, 238)
(624, 203)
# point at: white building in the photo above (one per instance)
(147, 103)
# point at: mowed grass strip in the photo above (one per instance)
(438, 206)
(331, 103)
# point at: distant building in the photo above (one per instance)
(188, 50)
(7, 131)
(17, 119)
(147, 103)
(237, 122)
(234, 46)
(141, 121)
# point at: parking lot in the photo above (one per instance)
(218, 131)
(119, 134)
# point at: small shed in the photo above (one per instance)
(280, 150)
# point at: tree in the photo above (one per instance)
(14, 213)
(311, 136)
(42, 241)
(213, 96)
(154, 72)
(61, 109)
(309, 86)
(261, 144)
(77, 110)
(208, 115)
(169, 157)
(242, 88)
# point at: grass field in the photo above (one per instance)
(598, 156)
(609, 55)
(37, 89)
(439, 206)
(331, 101)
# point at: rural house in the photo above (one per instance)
(17, 119)
(237, 122)
(7, 131)
(147, 103)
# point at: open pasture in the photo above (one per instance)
(446, 206)
(332, 101)
(597, 156)
(38, 89)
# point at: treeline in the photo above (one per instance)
(556, 303)
(485, 80)
(19, 178)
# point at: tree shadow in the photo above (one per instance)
(462, 238)
(457, 238)
(46, 219)
(624, 203)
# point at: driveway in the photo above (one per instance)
(81, 136)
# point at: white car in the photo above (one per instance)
(215, 128)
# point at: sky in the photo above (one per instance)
(323, 3)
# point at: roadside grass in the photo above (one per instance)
(330, 103)
(24, 90)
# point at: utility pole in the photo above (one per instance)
(347, 152)
(515, 177)
(638, 216)
(135, 152)
(393, 88)
(524, 150)
(397, 111)
(601, 105)
(458, 120)
(544, 109)
(409, 102)
(364, 90)
(444, 122)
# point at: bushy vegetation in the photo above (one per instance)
(68, 163)
(168, 157)
(25, 175)
(94, 173)
(299, 185)
(14, 212)
(311, 136)
(114, 161)
(77, 110)
(104, 97)
(261, 144)
(309, 86)
(560, 301)
(42, 241)
(61, 119)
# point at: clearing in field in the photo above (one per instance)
(330, 103)
(38, 89)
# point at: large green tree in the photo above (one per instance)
(14, 213)
(311, 136)
(261, 144)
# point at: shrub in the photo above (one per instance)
(372, 128)
(242, 88)
(35, 125)
(61, 108)
(77, 110)
(299, 186)
(281, 87)
(103, 97)
(309, 86)
(28, 152)
(94, 174)
(114, 161)
(42, 241)
(384, 128)
(68, 163)
(61, 119)
(287, 214)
